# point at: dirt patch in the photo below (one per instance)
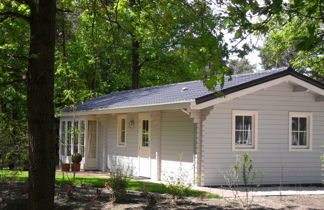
(14, 196)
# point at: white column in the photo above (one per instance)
(196, 115)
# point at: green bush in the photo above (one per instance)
(76, 158)
(118, 182)
(178, 183)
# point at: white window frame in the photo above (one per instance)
(64, 140)
(254, 115)
(119, 119)
(309, 124)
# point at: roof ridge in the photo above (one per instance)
(262, 71)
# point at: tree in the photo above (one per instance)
(240, 66)
(154, 36)
(284, 46)
(40, 17)
(293, 29)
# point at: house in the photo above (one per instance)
(276, 116)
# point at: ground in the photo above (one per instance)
(13, 195)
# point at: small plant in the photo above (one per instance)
(144, 191)
(178, 183)
(69, 190)
(243, 174)
(152, 199)
(118, 182)
(96, 196)
(76, 158)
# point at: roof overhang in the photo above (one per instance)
(259, 84)
(140, 108)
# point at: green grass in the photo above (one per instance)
(93, 181)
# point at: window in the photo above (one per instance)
(121, 130)
(72, 137)
(244, 130)
(145, 133)
(300, 128)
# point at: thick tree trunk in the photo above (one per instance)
(135, 63)
(40, 85)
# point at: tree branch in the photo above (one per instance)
(63, 10)
(12, 82)
(9, 14)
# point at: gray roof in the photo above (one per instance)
(165, 94)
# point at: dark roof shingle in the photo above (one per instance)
(165, 94)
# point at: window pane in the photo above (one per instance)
(123, 124)
(302, 138)
(76, 137)
(294, 138)
(302, 124)
(122, 132)
(69, 138)
(239, 137)
(247, 122)
(294, 123)
(63, 138)
(145, 133)
(122, 139)
(239, 122)
(248, 137)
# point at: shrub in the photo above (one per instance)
(178, 183)
(243, 174)
(76, 158)
(118, 182)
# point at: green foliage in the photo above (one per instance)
(76, 158)
(244, 174)
(240, 66)
(99, 182)
(298, 44)
(293, 30)
(118, 183)
(178, 182)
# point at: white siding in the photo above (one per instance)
(128, 155)
(273, 156)
(176, 132)
(177, 143)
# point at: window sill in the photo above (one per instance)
(301, 149)
(121, 145)
(242, 149)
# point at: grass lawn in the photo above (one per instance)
(93, 181)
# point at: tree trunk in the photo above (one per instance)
(135, 63)
(40, 85)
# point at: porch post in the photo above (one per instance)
(196, 115)
(156, 119)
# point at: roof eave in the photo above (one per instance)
(252, 83)
(129, 109)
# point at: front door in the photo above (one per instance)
(92, 148)
(144, 145)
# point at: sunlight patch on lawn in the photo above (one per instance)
(98, 182)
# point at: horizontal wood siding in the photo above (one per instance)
(128, 155)
(177, 143)
(273, 156)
